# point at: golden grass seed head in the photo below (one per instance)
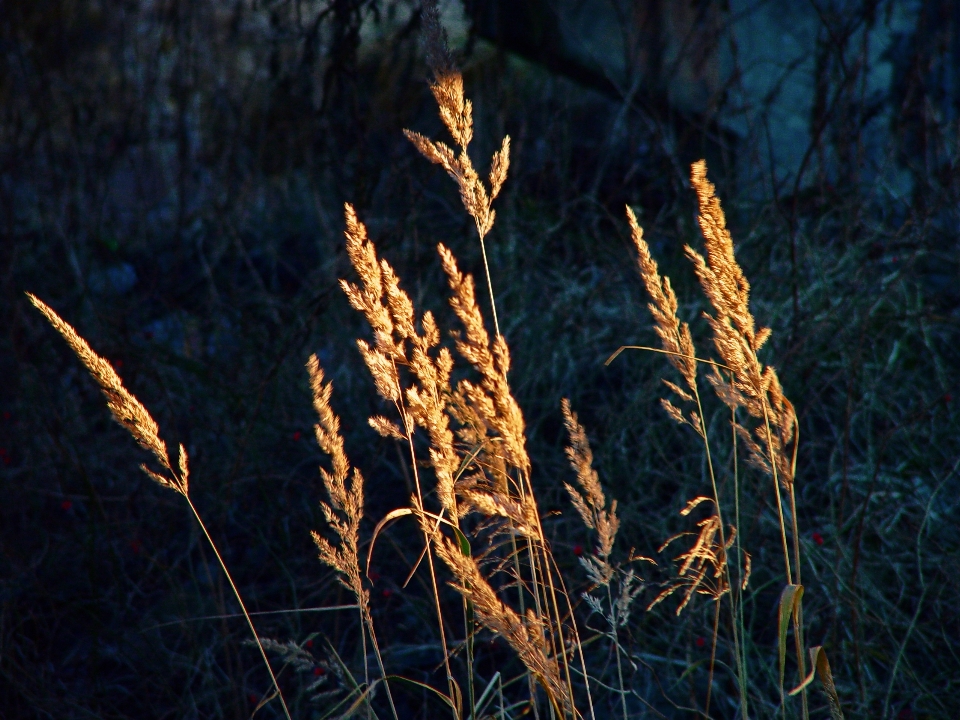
(125, 408)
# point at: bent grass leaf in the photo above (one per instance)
(485, 696)
(389, 517)
(789, 602)
(820, 665)
(463, 543)
(362, 694)
(423, 686)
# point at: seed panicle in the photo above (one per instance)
(344, 511)
(125, 408)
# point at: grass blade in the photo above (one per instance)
(789, 601)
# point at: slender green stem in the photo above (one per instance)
(737, 593)
(713, 655)
(500, 689)
(554, 607)
(243, 607)
(726, 557)
(798, 611)
(797, 636)
(366, 665)
(776, 487)
(616, 645)
(576, 637)
(515, 553)
(468, 639)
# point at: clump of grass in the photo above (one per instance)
(482, 490)
(477, 450)
(743, 383)
(343, 515)
(590, 503)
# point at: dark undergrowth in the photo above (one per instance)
(171, 182)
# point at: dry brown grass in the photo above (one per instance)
(482, 467)
(482, 489)
(125, 408)
(743, 383)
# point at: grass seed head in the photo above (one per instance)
(125, 408)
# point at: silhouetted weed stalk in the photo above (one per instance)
(481, 493)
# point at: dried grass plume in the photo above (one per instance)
(125, 408)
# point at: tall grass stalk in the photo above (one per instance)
(343, 514)
(131, 414)
(677, 344)
(456, 114)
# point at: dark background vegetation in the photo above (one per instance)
(172, 175)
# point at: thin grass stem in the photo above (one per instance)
(801, 665)
(486, 267)
(736, 595)
(713, 655)
(433, 573)
(576, 636)
(663, 352)
(616, 646)
(376, 652)
(243, 607)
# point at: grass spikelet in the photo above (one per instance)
(486, 469)
(703, 566)
(674, 336)
(125, 408)
(132, 415)
(524, 634)
(345, 509)
(419, 400)
(397, 344)
(456, 112)
(754, 387)
(591, 504)
(493, 398)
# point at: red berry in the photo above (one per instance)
(296, 435)
(319, 671)
(700, 642)
(308, 644)
(66, 504)
(387, 592)
(118, 364)
(578, 550)
(254, 700)
(818, 538)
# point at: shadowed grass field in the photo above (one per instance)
(114, 604)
